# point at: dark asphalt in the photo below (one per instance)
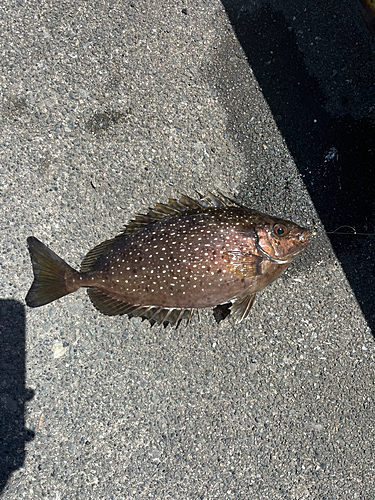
(108, 108)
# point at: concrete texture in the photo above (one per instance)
(108, 108)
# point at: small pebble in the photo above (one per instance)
(253, 367)
(58, 349)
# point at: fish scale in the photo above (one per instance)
(186, 260)
(182, 256)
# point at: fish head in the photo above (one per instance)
(280, 240)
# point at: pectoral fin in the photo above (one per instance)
(244, 265)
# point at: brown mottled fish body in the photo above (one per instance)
(186, 255)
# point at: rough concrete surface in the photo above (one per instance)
(106, 109)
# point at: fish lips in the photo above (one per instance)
(302, 237)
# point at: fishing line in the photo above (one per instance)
(349, 234)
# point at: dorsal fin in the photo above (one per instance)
(176, 207)
(90, 259)
(161, 211)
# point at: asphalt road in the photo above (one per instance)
(108, 108)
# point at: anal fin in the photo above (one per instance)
(163, 316)
(154, 314)
(109, 305)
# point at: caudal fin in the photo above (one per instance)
(52, 275)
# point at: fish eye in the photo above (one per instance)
(280, 229)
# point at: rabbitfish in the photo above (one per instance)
(181, 256)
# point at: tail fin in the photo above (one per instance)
(51, 275)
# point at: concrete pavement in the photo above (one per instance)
(108, 108)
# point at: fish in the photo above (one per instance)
(181, 256)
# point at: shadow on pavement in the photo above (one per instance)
(13, 393)
(334, 153)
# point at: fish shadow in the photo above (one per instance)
(13, 393)
(333, 151)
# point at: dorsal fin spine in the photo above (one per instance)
(175, 207)
(161, 211)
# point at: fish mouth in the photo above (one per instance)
(302, 237)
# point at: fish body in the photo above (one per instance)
(185, 255)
